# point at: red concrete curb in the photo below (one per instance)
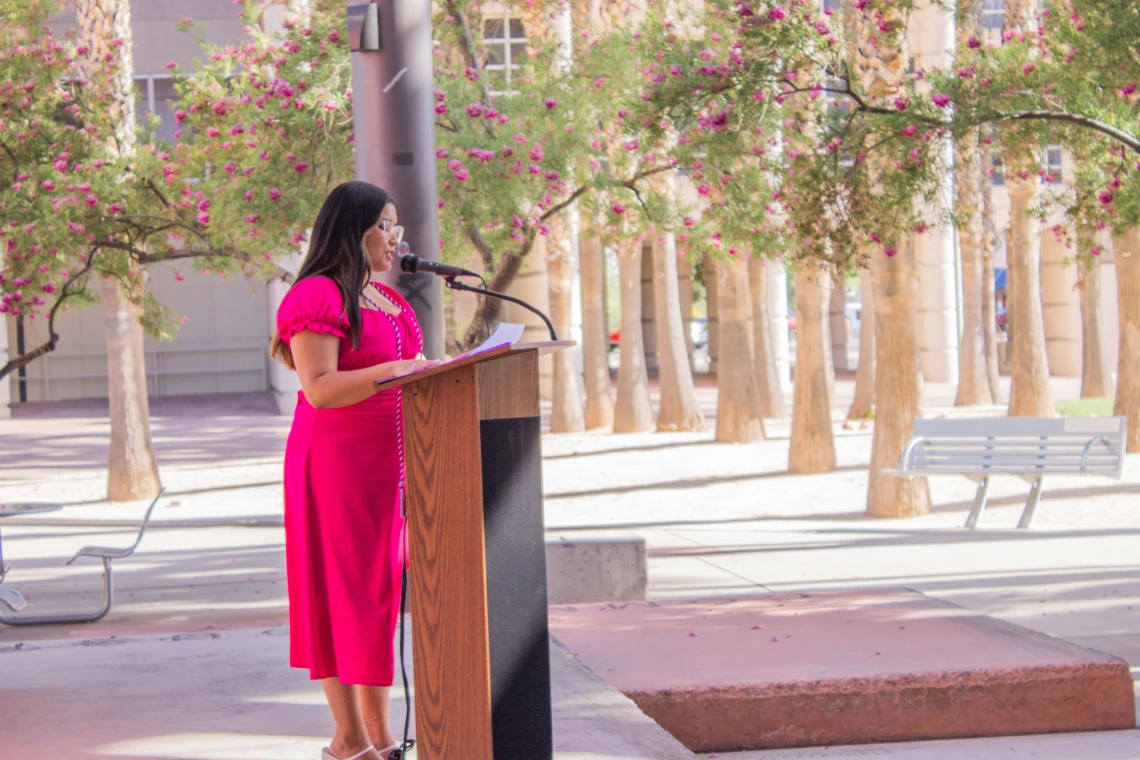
(844, 668)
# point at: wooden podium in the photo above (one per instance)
(477, 557)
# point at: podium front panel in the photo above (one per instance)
(478, 562)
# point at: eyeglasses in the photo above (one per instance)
(398, 231)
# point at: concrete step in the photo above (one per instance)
(842, 667)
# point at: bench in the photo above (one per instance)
(1025, 447)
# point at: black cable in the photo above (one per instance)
(407, 743)
(450, 282)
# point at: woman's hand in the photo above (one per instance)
(406, 367)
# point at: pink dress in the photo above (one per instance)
(344, 535)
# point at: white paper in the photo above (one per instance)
(506, 334)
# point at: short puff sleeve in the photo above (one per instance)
(314, 304)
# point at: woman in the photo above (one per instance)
(342, 331)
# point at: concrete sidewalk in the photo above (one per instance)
(719, 519)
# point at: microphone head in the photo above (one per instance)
(408, 263)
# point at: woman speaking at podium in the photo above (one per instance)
(341, 330)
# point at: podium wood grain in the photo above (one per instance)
(507, 386)
(447, 568)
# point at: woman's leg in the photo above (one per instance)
(374, 707)
(351, 735)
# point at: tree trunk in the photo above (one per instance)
(772, 404)
(864, 402)
(973, 385)
(1127, 256)
(1032, 393)
(633, 412)
(595, 337)
(812, 446)
(989, 294)
(898, 379)
(838, 324)
(1096, 371)
(679, 409)
(566, 409)
(133, 470)
(738, 418)
(105, 29)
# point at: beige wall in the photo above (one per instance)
(157, 41)
(221, 348)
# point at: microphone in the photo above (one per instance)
(411, 263)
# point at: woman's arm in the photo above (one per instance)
(325, 387)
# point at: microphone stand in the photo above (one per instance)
(450, 283)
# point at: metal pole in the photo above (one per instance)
(394, 135)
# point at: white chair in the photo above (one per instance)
(105, 553)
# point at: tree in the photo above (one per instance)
(738, 417)
(105, 51)
(595, 337)
(969, 209)
(863, 404)
(812, 448)
(772, 403)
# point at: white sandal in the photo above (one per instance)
(326, 753)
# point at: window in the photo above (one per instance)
(993, 14)
(156, 96)
(832, 5)
(998, 173)
(504, 42)
(1053, 158)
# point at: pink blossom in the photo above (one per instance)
(973, 43)
(632, 145)
(180, 116)
(441, 109)
(704, 189)
(212, 132)
(49, 185)
(1028, 68)
(300, 168)
(274, 194)
(536, 154)
(1128, 89)
(60, 165)
(248, 195)
(519, 138)
(49, 288)
(890, 251)
(252, 218)
(203, 218)
(1106, 197)
(117, 208)
(237, 129)
(91, 200)
(599, 83)
(550, 102)
(902, 103)
(940, 100)
(910, 131)
(441, 153)
(230, 167)
(471, 75)
(777, 13)
(475, 110)
(334, 36)
(220, 108)
(461, 175)
(618, 208)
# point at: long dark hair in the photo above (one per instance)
(336, 251)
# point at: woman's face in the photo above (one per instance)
(381, 239)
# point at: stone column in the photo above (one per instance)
(778, 314)
(6, 382)
(532, 286)
(283, 382)
(1060, 303)
(930, 34)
